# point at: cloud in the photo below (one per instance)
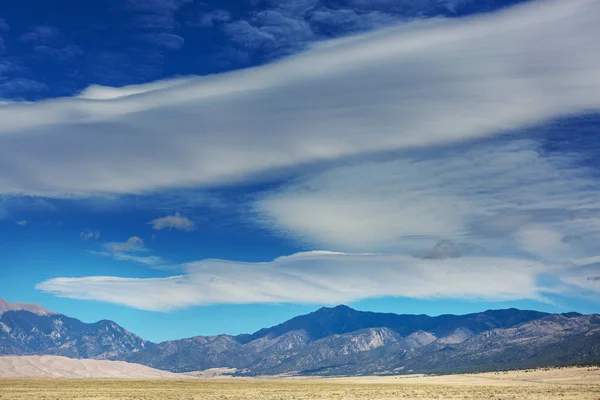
(209, 19)
(173, 222)
(22, 223)
(542, 240)
(505, 195)
(131, 245)
(415, 83)
(4, 25)
(583, 278)
(41, 35)
(15, 87)
(326, 20)
(89, 234)
(145, 260)
(271, 31)
(127, 251)
(274, 28)
(167, 40)
(314, 277)
(64, 53)
(155, 14)
(449, 249)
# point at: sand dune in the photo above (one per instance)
(62, 367)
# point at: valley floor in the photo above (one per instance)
(571, 383)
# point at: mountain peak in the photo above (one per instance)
(33, 308)
(338, 308)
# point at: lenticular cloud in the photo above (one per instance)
(414, 85)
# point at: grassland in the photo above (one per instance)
(580, 384)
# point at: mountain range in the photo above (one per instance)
(27, 329)
(329, 341)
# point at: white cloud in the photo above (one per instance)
(419, 84)
(212, 18)
(314, 277)
(89, 234)
(176, 221)
(131, 245)
(22, 223)
(505, 196)
(145, 260)
(542, 240)
(584, 276)
(129, 251)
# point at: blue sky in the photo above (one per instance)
(189, 168)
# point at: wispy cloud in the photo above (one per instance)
(22, 222)
(176, 221)
(128, 250)
(15, 87)
(163, 39)
(504, 195)
(89, 234)
(286, 26)
(449, 249)
(415, 83)
(145, 260)
(62, 53)
(41, 35)
(155, 14)
(209, 19)
(4, 26)
(314, 277)
(271, 31)
(132, 245)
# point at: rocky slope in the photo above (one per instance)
(341, 340)
(26, 333)
(34, 308)
(329, 341)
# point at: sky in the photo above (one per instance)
(195, 168)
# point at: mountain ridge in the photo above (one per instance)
(34, 308)
(361, 319)
(322, 342)
(25, 333)
(329, 341)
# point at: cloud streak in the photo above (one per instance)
(89, 234)
(176, 221)
(420, 84)
(503, 195)
(132, 245)
(145, 260)
(128, 250)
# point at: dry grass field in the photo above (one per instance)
(580, 384)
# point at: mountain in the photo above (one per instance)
(329, 341)
(342, 340)
(24, 332)
(34, 308)
(343, 319)
(552, 340)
